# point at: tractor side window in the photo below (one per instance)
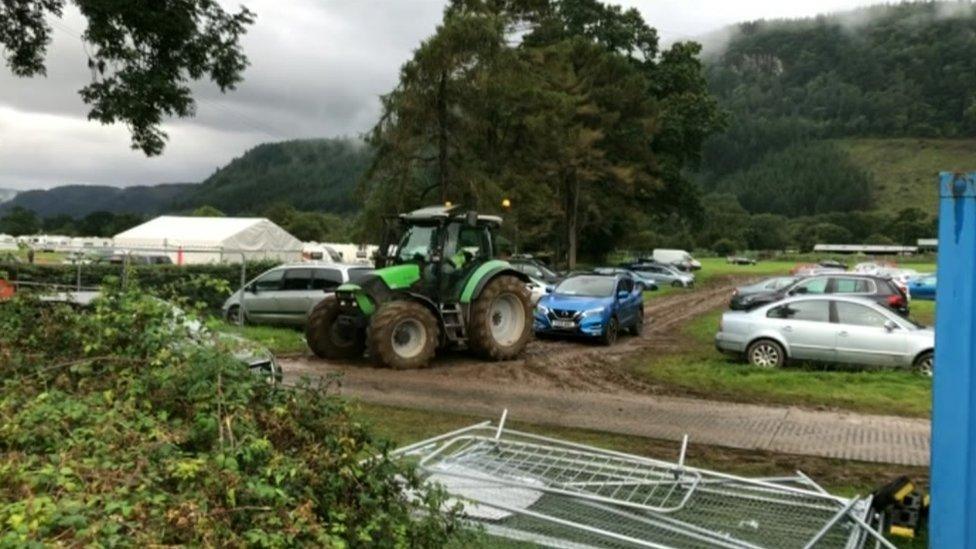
(416, 244)
(471, 241)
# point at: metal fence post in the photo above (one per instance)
(953, 512)
(78, 276)
(240, 309)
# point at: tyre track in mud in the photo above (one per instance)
(561, 365)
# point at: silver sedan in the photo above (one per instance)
(827, 329)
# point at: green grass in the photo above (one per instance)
(279, 340)
(700, 370)
(713, 267)
(905, 170)
(923, 312)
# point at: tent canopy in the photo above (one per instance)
(256, 236)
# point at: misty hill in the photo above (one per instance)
(309, 174)
(81, 200)
(7, 194)
(834, 88)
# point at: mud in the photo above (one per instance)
(573, 365)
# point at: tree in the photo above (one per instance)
(767, 232)
(142, 56)
(19, 221)
(207, 211)
(565, 101)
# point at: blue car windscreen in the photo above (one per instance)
(587, 286)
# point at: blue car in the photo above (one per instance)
(593, 306)
(922, 287)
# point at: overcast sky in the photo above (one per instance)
(317, 70)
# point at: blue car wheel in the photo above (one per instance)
(610, 332)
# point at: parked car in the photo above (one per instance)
(643, 279)
(811, 269)
(287, 293)
(922, 287)
(140, 258)
(739, 260)
(664, 275)
(879, 289)
(593, 306)
(833, 264)
(829, 329)
(537, 289)
(678, 258)
(533, 268)
(768, 285)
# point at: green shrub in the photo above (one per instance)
(118, 426)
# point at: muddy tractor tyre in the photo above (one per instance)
(403, 335)
(500, 324)
(323, 337)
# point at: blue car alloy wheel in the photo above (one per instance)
(591, 306)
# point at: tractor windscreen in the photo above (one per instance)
(587, 286)
(416, 244)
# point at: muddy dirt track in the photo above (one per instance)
(574, 365)
(586, 385)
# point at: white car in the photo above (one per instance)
(827, 329)
(537, 288)
(680, 258)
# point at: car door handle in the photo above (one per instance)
(842, 333)
(788, 329)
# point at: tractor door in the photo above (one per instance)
(466, 247)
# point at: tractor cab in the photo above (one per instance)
(445, 245)
(437, 281)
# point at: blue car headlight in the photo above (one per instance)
(541, 310)
(592, 312)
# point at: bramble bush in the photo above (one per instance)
(119, 428)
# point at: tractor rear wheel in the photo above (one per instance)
(500, 325)
(327, 340)
(403, 335)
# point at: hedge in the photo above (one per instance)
(204, 285)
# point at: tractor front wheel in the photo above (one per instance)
(500, 325)
(403, 335)
(325, 338)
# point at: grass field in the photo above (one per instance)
(905, 170)
(281, 341)
(702, 371)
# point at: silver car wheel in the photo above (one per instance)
(926, 366)
(765, 355)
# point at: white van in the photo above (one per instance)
(679, 258)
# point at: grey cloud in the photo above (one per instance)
(317, 69)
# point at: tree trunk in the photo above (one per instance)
(572, 220)
(442, 136)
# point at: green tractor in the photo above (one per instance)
(437, 284)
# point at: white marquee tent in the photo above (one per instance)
(194, 240)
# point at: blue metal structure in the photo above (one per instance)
(953, 511)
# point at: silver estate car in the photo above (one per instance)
(829, 329)
(287, 293)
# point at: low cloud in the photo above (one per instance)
(317, 70)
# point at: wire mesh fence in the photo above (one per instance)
(560, 494)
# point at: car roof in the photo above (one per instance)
(322, 265)
(829, 297)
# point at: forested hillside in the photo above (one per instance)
(81, 200)
(311, 174)
(848, 112)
